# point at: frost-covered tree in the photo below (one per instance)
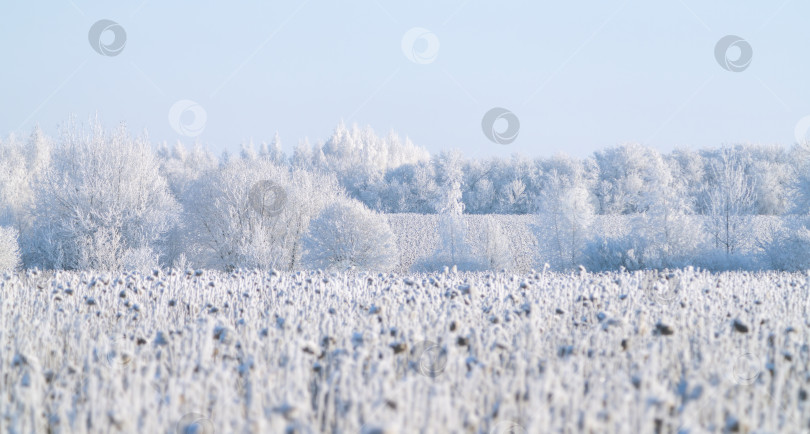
(15, 191)
(302, 157)
(494, 246)
(482, 197)
(449, 167)
(626, 174)
(790, 250)
(248, 151)
(410, 188)
(565, 214)
(514, 196)
(9, 249)
(800, 162)
(730, 199)
(360, 159)
(519, 185)
(454, 249)
(452, 227)
(689, 169)
(102, 204)
(347, 235)
(181, 166)
(351, 149)
(667, 233)
(21, 165)
(772, 177)
(252, 214)
(273, 151)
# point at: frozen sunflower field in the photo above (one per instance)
(192, 351)
(422, 217)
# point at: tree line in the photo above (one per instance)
(106, 199)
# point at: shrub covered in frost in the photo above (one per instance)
(612, 254)
(494, 247)
(657, 240)
(101, 200)
(252, 214)
(563, 221)
(9, 249)
(347, 235)
(454, 248)
(790, 250)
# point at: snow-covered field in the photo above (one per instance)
(349, 353)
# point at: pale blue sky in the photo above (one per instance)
(580, 75)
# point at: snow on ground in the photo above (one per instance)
(349, 353)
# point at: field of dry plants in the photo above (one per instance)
(204, 352)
